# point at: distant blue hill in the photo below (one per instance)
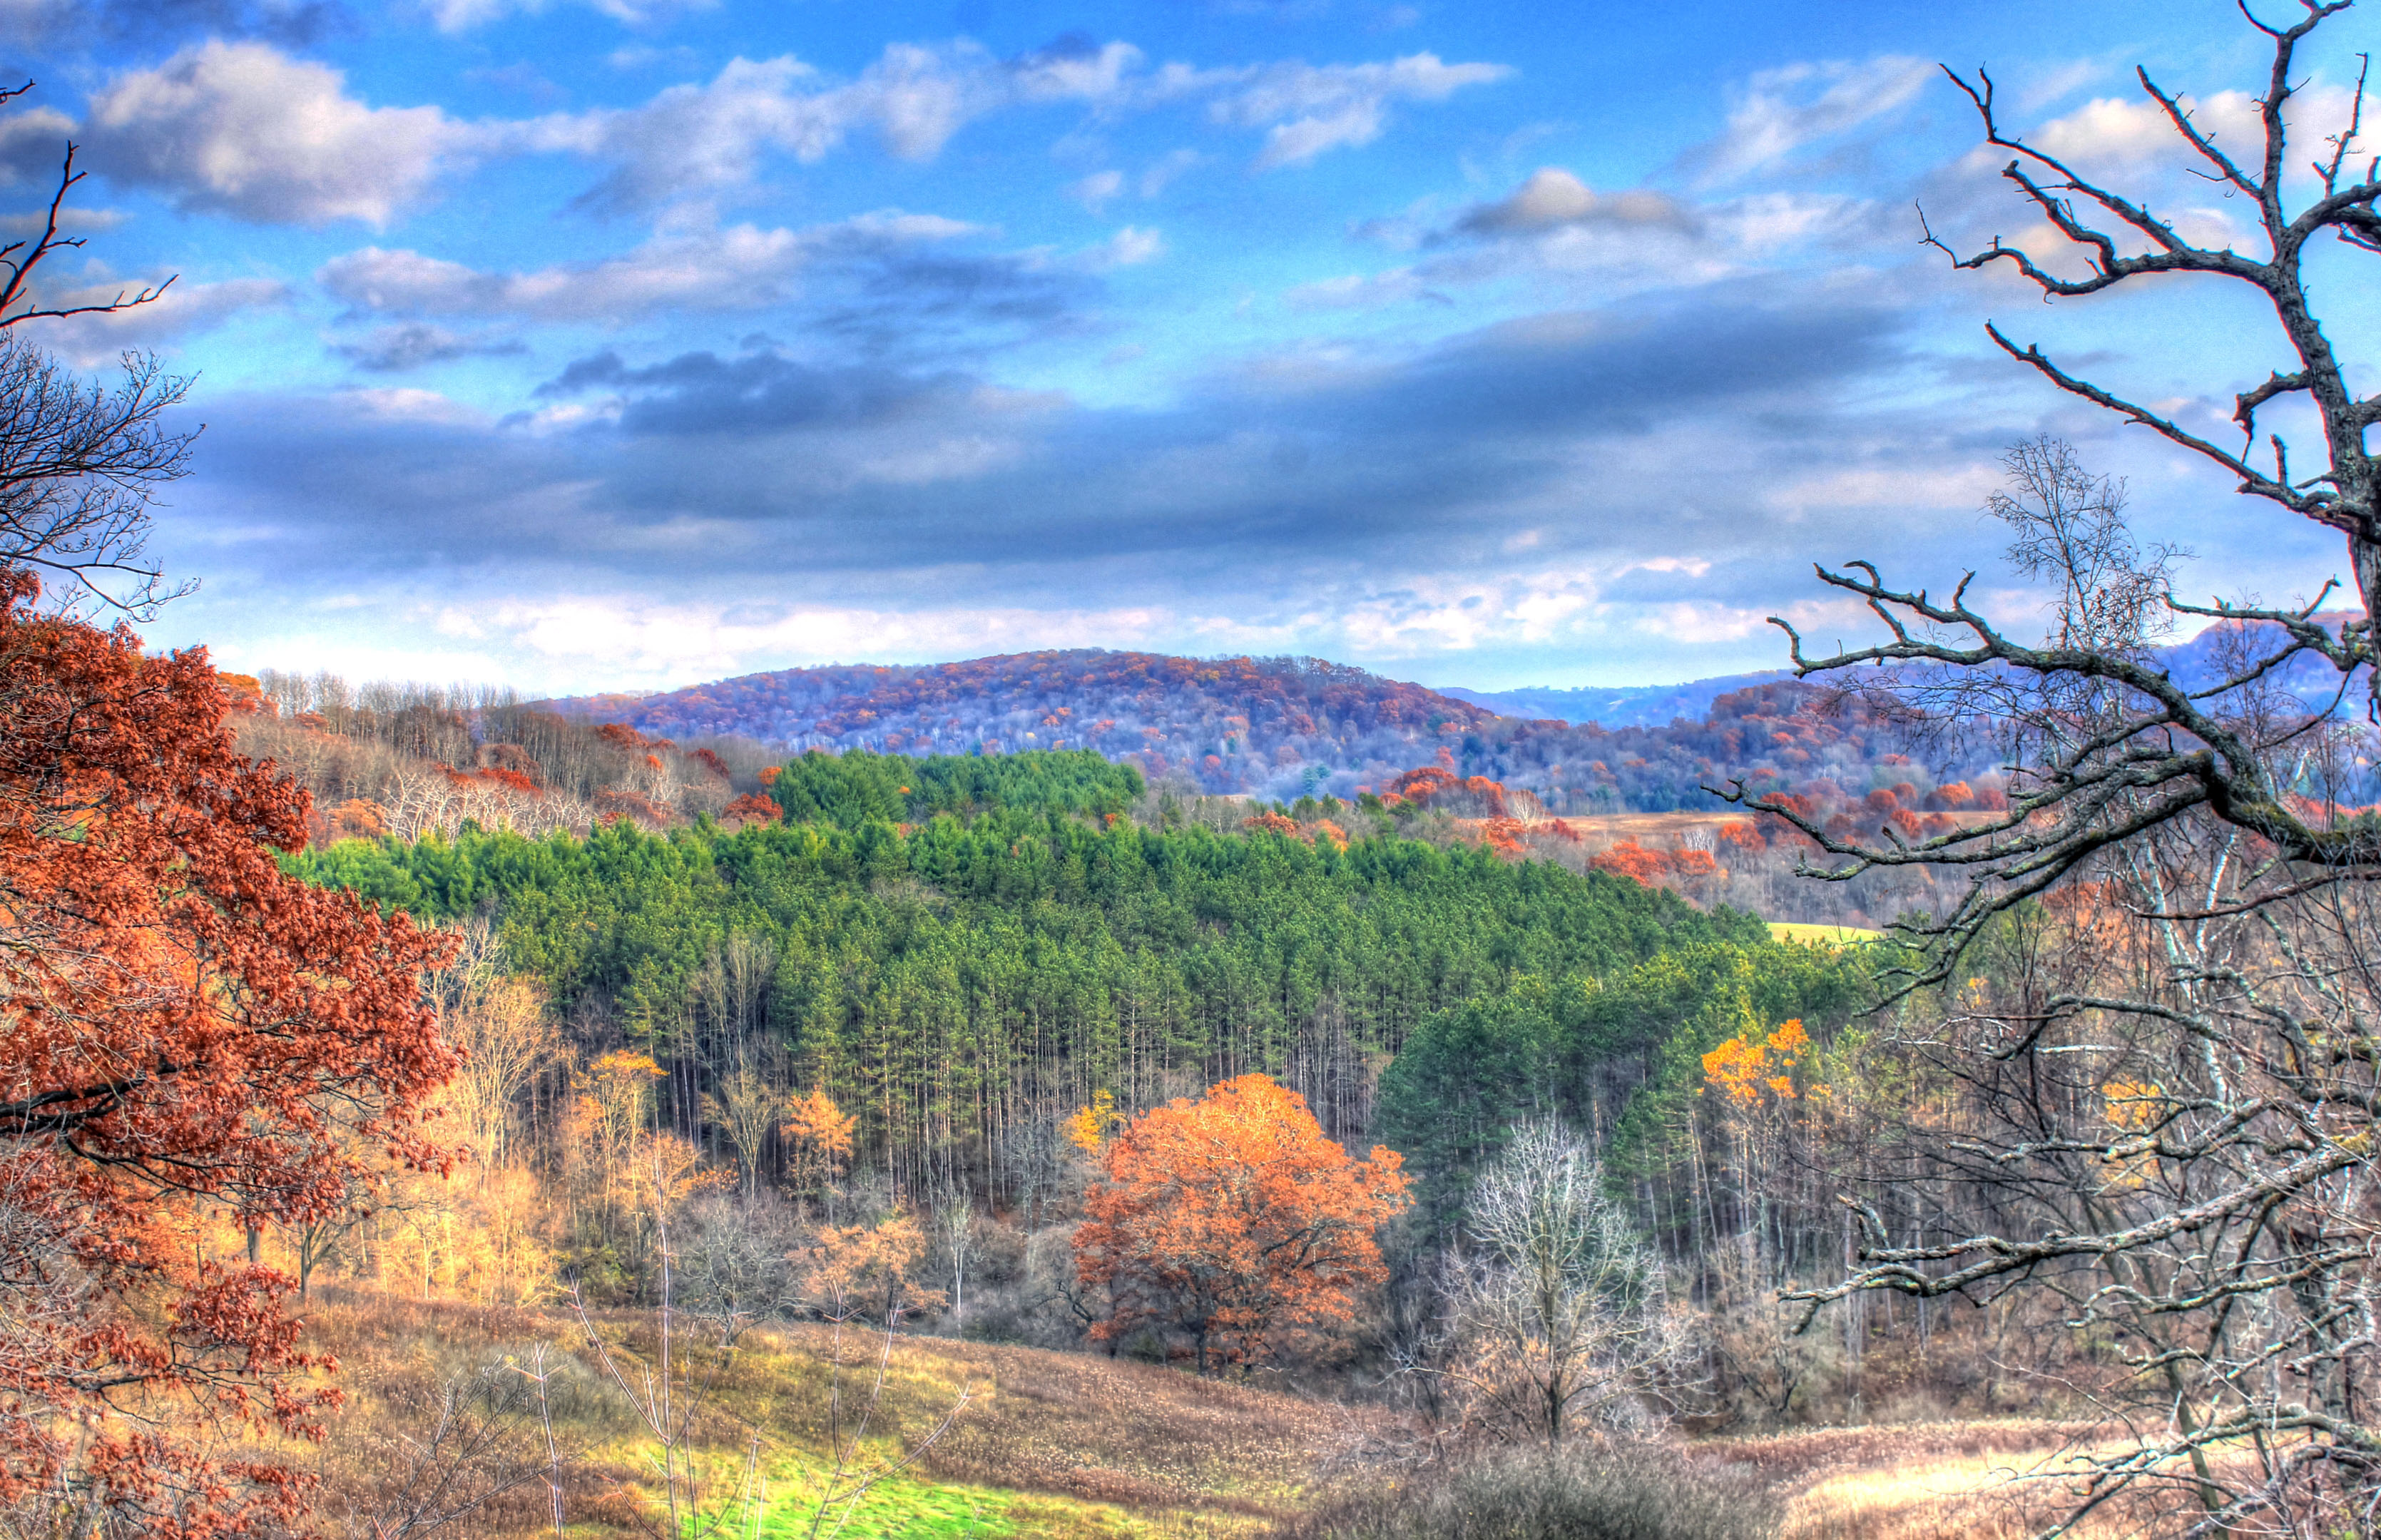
(1642, 705)
(2202, 661)
(2215, 654)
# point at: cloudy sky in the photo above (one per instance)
(624, 344)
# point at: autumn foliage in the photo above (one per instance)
(190, 1034)
(1749, 1068)
(818, 1134)
(1635, 861)
(1234, 1221)
(754, 808)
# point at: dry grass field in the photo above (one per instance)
(1070, 1447)
(2002, 1480)
(1666, 830)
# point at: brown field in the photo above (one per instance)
(1998, 1480)
(1063, 1445)
(1079, 1446)
(1653, 828)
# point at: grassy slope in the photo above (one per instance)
(1075, 1447)
(1050, 1443)
(1795, 930)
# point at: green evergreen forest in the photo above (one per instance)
(964, 981)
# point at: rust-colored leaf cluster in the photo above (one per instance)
(1234, 1221)
(188, 1034)
(1650, 867)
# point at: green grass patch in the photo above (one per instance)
(903, 1507)
(1833, 935)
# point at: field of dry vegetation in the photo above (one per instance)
(1068, 1445)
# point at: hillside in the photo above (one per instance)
(1644, 705)
(1055, 1445)
(1282, 727)
(1231, 724)
(1277, 728)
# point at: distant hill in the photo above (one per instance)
(1278, 727)
(1649, 705)
(2215, 654)
(1264, 725)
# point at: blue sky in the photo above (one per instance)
(622, 344)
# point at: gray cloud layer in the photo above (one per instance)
(761, 469)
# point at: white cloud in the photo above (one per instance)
(32, 143)
(638, 56)
(457, 15)
(1553, 198)
(1075, 74)
(1359, 291)
(2133, 134)
(1309, 109)
(1166, 167)
(1128, 248)
(638, 643)
(412, 345)
(697, 138)
(242, 128)
(1763, 221)
(95, 340)
(1558, 232)
(1782, 110)
(2041, 90)
(738, 268)
(1095, 190)
(2132, 131)
(71, 221)
(1436, 614)
(403, 404)
(1101, 187)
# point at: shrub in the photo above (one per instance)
(1579, 1494)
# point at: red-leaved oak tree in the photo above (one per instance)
(186, 1035)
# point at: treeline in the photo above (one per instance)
(407, 759)
(1278, 729)
(852, 788)
(963, 987)
(1272, 726)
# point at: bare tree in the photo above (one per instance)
(2150, 748)
(749, 1107)
(2345, 493)
(2162, 1131)
(955, 1227)
(79, 465)
(1563, 1317)
(2153, 1013)
(18, 259)
(455, 1448)
(501, 1021)
(675, 1394)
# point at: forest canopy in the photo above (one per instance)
(961, 982)
(851, 789)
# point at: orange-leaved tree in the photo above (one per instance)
(1233, 1220)
(818, 1135)
(186, 1033)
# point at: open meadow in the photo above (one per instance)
(1043, 1444)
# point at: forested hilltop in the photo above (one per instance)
(1281, 728)
(963, 983)
(962, 987)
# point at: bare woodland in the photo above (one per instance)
(2163, 1120)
